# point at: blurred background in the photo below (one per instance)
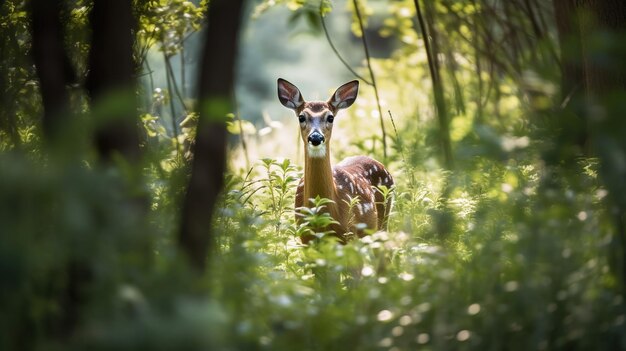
(148, 175)
(280, 42)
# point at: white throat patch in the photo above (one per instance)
(318, 151)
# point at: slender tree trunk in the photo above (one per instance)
(51, 63)
(111, 78)
(574, 125)
(49, 58)
(432, 52)
(443, 217)
(604, 73)
(214, 102)
(606, 16)
(570, 43)
(606, 88)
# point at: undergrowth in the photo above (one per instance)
(523, 267)
(525, 262)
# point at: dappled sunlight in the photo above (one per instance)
(153, 199)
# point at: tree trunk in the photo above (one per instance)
(111, 79)
(573, 131)
(432, 53)
(214, 102)
(51, 63)
(570, 44)
(602, 25)
(600, 17)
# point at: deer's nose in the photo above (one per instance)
(316, 138)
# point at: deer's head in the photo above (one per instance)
(316, 117)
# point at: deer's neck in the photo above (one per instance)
(318, 178)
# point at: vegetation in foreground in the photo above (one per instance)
(509, 241)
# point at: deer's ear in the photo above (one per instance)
(345, 95)
(289, 95)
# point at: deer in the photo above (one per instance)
(359, 177)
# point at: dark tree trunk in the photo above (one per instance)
(51, 63)
(110, 86)
(214, 102)
(573, 134)
(602, 26)
(110, 82)
(603, 17)
(572, 78)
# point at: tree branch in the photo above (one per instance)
(332, 46)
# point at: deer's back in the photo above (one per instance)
(359, 176)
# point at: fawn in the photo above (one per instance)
(354, 177)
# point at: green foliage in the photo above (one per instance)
(167, 22)
(314, 219)
(89, 256)
(20, 101)
(302, 10)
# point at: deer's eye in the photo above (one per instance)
(330, 119)
(301, 118)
